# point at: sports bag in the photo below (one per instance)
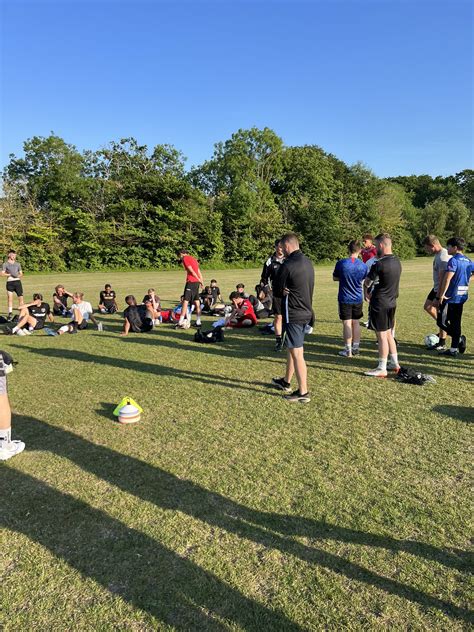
(214, 335)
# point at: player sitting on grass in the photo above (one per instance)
(108, 300)
(32, 317)
(137, 318)
(242, 314)
(155, 304)
(60, 297)
(81, 314)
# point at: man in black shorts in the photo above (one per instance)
(385, 276)
(60, 297)
(441, 258)
(269, 276)
(138, 318)
(32, 317)
(108, 300)
(194, 282)
(296, 278)
(12, 270)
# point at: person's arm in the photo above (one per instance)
(50, 317)
(443, 287)
(199, 275)
(335, 274)
(126, 327)
(93, 318)
(20, 273)
(26, 305)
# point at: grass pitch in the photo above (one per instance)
(227, 508)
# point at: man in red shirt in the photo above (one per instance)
(194, 282)
(242, 314)
(369, 250)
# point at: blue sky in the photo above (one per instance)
(385, 82)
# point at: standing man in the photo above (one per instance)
(12, 270)
(296, 279)
(385, 275)
(440, 262)
(452, 295)
(8, 448)
(270, 271)
(194, 282)
(350, 273)
(369, 250)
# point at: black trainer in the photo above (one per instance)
(10, 317)
(279, 344)
(280, 383)
(449, 353)
(462, 344)
(296, 396)
(440, 346)
(8, 329)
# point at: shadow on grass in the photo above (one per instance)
(154, 485)
(128, 563)
(463, 413)
(153, 369)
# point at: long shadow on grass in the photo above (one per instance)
(463, 413)
(274, 531)
(152, 369)
(128, 563)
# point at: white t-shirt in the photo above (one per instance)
(440, 263)
(84, 307)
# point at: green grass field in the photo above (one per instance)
(227, 507)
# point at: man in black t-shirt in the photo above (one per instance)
(384, 276)
(60, 298)
(137, 318)
(270, 271)
(32, 317)
(107, 300)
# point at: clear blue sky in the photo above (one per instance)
(385, 82)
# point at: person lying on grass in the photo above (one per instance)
(81, 314)
(137, 318)
(242, 314)
(32, 317)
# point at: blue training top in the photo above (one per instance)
(350, 272)
(462, 267)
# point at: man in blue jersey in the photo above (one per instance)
(453, 293)
(350, 273)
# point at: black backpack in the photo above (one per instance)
(412, 376)
(213, 335)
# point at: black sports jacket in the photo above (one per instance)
(297, 276)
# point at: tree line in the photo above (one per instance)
(126, 206)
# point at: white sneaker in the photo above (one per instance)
(346, 353)
(391, 366)
(157, 321)
(21, 332)
(28, 332)
(376, 373)
(10, 448)
(308, 329)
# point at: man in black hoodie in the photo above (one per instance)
(296, 282)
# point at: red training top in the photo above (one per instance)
(191, 261)
(368, 253)
(247, 307)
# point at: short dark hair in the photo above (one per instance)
(368, 236)
(354, 246)
(457, 242)
(277, 242)
(233, 295)
(130, 299)
(107, 285)
(37, 297)
(213, 281)
(430, 240)
(12, 252)
(182, 251)
(240, 285)
(382, 236)
(290, 238)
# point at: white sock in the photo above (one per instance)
(454, 349)
(348, 347)
(198, 321)
(394, 358)
(382, 364)
(6, 434)
(30, 328)
(15, 329)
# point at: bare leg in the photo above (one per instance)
(429, 309)
(290, 367)
(347, 333)
(278, 324)
(10, 301)
(300, 369)
(184, 311)
(5, 413)
(355, 332)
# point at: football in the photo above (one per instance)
(431, 340)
